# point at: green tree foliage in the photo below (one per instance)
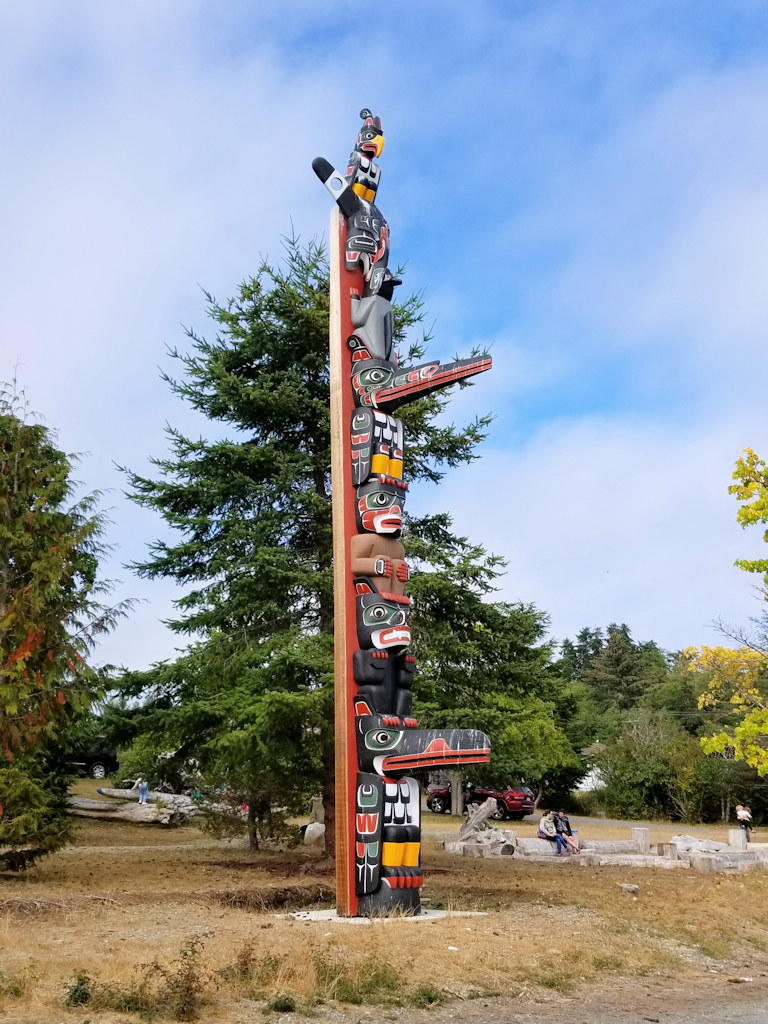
(734, 682)
(648, 711)
(485, 664)
(621, 672)
(656, 768)
(250, 512)
(609, 672)
(751, 490)
(51, 611)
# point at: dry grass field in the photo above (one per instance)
(136, 923)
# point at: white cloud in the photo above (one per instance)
(611, 519)
(151, 148)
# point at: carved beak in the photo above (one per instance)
(439, 752)
(375, 146)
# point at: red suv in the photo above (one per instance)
(514, 802)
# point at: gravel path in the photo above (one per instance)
(710, 1000)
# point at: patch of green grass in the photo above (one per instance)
(716, 950)
(346, 991)
(79, 990)
(339, 977)
(377, 975)
(283, 1002)
(134, 997)
(606, 963)
(426, 995)
(556, 980)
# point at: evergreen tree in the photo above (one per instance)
(576, 655)
(50, 613)
(485, 664)
(253, 511)
(619, 675)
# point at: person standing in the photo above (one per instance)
(744, 819)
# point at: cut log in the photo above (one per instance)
(457, 793)
(132, 794)
(170, 809)
(690, 844)
(611, 846)
(627, 860)
(477, 819)
(536, 847)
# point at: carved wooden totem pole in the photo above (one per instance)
(377, 739)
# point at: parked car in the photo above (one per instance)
(97, 763)
(514, 802)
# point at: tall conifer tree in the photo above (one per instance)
(51, 611)
(251, 509)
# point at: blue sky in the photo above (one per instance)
(583, 186)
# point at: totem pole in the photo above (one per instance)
(377, 740)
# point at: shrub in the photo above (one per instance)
(282, 1003)
(79, 990)
(183, 980)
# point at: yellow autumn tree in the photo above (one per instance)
(736, 680)
(751, 489)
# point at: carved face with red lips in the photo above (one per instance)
(379, 507)
(382, 622)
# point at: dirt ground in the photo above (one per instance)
(720, 1000)
(132, 908)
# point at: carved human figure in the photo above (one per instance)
(377, 551)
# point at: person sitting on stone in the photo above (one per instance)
(547, 829)
(564, 832)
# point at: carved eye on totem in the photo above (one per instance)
(380, 614)
(374, 375)
(382, 739)
(381, 499)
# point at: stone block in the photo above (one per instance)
(642, 836)
(737, 839)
